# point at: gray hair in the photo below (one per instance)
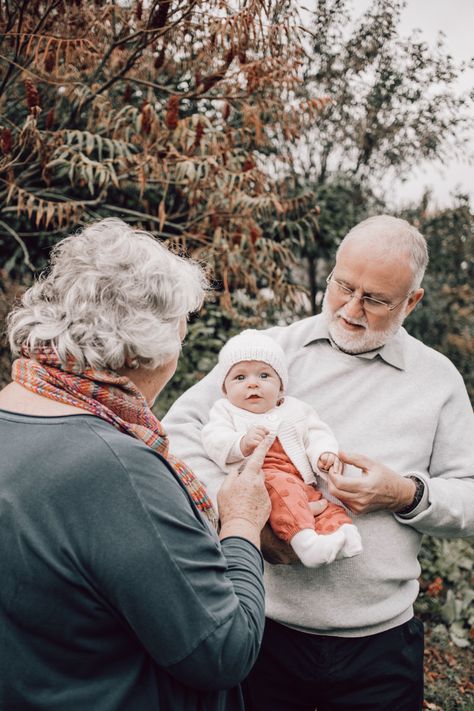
(398, 237)
(113, 295)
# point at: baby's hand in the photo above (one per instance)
(252, 439)
(329, 460)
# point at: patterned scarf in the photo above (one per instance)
(113, 398)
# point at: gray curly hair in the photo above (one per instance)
(113, 296)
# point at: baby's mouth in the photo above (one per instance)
(253, 396)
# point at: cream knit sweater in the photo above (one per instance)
(303, 436)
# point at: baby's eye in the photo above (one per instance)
(264, 375)
(239, 377)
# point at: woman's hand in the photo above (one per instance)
(243, 501)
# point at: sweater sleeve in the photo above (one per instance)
(205, 666)
(220, 439)
(195, 604)
(319, 438)
(450, 483)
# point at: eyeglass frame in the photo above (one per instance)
(389, 307)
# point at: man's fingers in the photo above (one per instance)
(343, 483)
(255, 461)
(337, 466)
(358, 460)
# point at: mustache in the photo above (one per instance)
(355, 321)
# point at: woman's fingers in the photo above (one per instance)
(244, 495)
(255, 461)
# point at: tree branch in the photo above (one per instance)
(18, 239)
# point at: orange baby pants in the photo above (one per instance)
(290, 496)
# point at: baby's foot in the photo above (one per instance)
(353, 542)
(314, 550)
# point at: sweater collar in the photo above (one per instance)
(391, 352)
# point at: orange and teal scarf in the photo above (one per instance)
(113, 398)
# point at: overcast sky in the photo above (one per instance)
(456, 19)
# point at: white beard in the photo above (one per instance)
(362, 341)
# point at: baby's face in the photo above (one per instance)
(253, 385)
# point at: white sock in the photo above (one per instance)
(353, 542)
(314, 550)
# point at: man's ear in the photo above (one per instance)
(413, 300)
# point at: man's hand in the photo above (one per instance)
(379, 488)
(276, 551)
(252, 439)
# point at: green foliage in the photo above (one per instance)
(206, 336)
(446, 587)
(445, 317)
(344, 201)
(9, 292)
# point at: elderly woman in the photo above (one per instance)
(116, 593)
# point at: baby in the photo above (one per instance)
(253, 378)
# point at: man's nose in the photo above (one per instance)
(353, 307)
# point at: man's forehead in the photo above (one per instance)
(370, 244)
(374, 235)
(368, 264)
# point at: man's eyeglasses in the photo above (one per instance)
(369, 304)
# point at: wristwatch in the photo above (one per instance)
(419, 491)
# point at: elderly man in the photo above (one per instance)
(344, 636)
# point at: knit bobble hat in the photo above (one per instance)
(252, 345)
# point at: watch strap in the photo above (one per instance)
(419, 491)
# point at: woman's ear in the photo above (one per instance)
(132, 363)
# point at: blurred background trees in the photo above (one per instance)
(161, 113)
(393, 104)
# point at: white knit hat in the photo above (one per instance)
(252, 345)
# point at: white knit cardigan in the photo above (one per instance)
(302, 434)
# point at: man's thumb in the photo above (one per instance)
(357, 460)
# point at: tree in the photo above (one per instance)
(444, 319)
(161, 113)
(393, 104)
(393, 98)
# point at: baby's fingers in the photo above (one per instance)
(337, 466)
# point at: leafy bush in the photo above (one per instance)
(446, 587)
